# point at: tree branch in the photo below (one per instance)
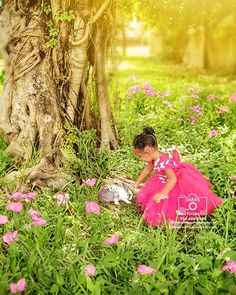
(90, 23)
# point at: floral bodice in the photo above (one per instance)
(165, 161)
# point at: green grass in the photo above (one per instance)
(52, 258)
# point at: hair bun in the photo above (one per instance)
(149, 131)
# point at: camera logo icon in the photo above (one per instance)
(192, 206)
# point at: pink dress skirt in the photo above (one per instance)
(189, 200)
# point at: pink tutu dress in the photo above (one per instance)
(189, 200)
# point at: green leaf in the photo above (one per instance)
(54, 288)
(205, 263)
(90, 284)
(59, 279)
(97, 289)
(231, 255)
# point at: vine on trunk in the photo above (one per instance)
(52, 51)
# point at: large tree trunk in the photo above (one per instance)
(46, 85)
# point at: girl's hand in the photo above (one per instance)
(157, 197)
(136, 185)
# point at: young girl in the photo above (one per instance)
(176, 192)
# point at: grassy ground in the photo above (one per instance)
(52, 258)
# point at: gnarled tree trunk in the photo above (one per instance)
(47, 51)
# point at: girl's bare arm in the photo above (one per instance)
(172, 179)
(145, 172)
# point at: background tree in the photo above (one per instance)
(55, 53)
(174, 18)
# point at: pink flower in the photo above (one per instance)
(196, 108)
(233, 177)
(112, 240)
(230, 266)
(194, 96)
(15, 206)
(194, 90)
(145, 270)
(149, 91)
(90, 270)
(91, 182)
(222, 110)
(92, 207)
(17, 287)
(62, 198)
(146, 85)
(32, 213)
(3, 219)
(10, 237)
(193, 119)
(233, 96)
(38, 221)
(16, 196)
(213, 133)
(132, 90)
(212, 97)
(163, 94)
(28, 197)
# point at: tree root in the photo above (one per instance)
(43, 176)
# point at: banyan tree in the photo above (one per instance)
(55, 53)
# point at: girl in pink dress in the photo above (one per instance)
(177, 192)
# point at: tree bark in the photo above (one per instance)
(46, 89)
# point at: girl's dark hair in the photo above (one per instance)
(146, 138)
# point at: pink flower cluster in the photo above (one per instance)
(92, 208)
(15, 204)
(230, 266)
(148, 90)
(91, 181)
(62, 198)
(212, 96)
(213, 133)
(132, 90)
(145, 270)
(197, 110)
(37, 219)
(90, 270)
(18, 286)
(194, 90)
(112, 240)
(193, 119)
(163, 94)
(233, 177)
(222, 110)
(10, 237)
(22, 197)
(3, 219)
(17, 207)
(233, 96)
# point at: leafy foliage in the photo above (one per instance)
(188, 260)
